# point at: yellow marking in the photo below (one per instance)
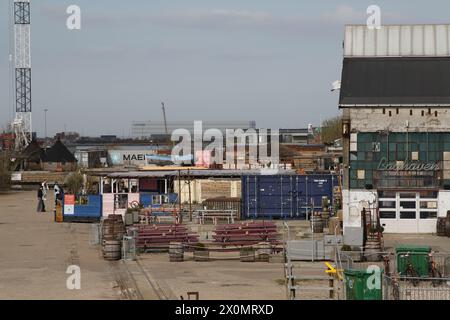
(334, 271)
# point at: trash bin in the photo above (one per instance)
(418, 257)
(364, 284)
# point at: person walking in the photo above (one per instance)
(57, 190)
(44, 190)
(41, 204)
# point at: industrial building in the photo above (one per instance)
(395, 98)
(147, 129)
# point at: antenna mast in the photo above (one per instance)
(22, 123)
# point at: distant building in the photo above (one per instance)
(147, 129)
(58, 158)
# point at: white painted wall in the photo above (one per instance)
(373, 120)
(353, 203)
(230, 187)
(443, 203)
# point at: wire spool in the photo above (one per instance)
(247, 254)
(264, 249)
(112, 250)
(113, 229)
(325, 215)
(316, 224)
(176, 253)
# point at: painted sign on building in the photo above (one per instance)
(385, 165)
(69, 204)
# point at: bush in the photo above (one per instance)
(74, 182)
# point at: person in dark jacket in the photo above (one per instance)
(41, 204)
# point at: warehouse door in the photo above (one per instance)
(408, 212)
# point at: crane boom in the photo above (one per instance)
(165, 119)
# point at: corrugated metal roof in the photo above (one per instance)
(192, 173)
(397, 40)
(395, 81)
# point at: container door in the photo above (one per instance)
(270, 194)
(302, 196)
(250, 197)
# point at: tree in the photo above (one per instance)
(5, 170)
(331, 130)
(74, 182)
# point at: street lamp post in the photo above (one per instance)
(45, 122)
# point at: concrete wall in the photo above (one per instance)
(373, 119)
(353, 203)
(443, 203)
(203, 189)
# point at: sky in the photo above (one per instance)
(272, 61)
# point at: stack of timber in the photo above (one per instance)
(246, 234)
(159, 237)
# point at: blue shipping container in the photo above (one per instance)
(91, 211)
(146, 199)
(285, 196)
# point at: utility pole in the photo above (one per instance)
(190, 198)
(45, 123)
(179, 197)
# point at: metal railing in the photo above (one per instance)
(416, 288)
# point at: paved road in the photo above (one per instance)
(35, 253)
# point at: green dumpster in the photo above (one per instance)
(364, 284)
(418, 256)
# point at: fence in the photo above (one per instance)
(401, 285)
(416, 289)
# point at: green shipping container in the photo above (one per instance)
(418, 257)
(363, 285)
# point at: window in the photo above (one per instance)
(429, 194)
(387, 194)
(376, 147)
(387, 204)
(435, 113)
(121, 201)
(428, 214)
(387, 214)
(410, 112)
(423, 113)
(156, 199)
(408, 204)
(361, 174)
(407, 195)
(407, 215)
(428, 204)
(397, 111)
(82, 200)
(390, 113)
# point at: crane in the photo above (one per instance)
(164, 115)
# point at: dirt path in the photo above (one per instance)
(35, 253)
